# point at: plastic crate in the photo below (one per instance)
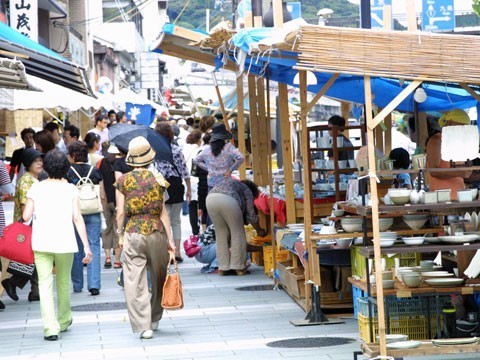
(404, 306)
(416, 326)
(280, 256)
(357, 294)
(359, 266)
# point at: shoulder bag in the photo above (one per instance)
(16, 243)
(89, 194)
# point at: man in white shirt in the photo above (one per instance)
(101, 130)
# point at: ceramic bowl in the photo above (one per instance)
(415, 222)
(417, 240)
(426, 264)
(385, 223)
(338, 212)
(400, 200)
(399, 192)
(464, 195)
(388, 284)
(387, 242)
(387, 275)
(412, 279)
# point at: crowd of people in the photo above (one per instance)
(142, 200)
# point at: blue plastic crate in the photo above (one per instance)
(357, 294)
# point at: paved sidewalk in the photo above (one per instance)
(218, 322)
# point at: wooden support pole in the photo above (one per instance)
(345, 111)
(248, 19)
(313, 262)
(470, 91)
(388, 134)
(322, 92)
(262, 131)
(375, 215)
(394, 103)
(277, 13)
(387, 17)
(411, 15)
(422, 130)
(286, 145)
(254, 134)
(241, 124)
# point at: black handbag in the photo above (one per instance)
(24, 270)
(194, 171)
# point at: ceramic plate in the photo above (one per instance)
(411, 344)
(422, 270)
(436, 274)
(459, 341)
(467, 216)
(432, 240)
(475, 220)
(444, 282)
(459, 239)
(390, 338)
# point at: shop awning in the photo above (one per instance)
(13, 76)
(118, 100)
(50, 96)
(42, 62)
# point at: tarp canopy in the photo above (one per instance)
(43, 62)
(118, 100)
(281, 67)
(50, 96)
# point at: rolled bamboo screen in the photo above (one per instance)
(396, 54)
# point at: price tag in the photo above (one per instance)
(467, 290)
(404, 294)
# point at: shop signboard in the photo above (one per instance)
(24, 17)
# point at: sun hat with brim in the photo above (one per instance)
(457, 115)
(140, 153)
(29, 156)
(219, 132)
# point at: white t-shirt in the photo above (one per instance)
(53, 229)
(104, 137)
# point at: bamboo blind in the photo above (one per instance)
(395, 54)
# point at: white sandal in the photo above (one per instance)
(147, 334)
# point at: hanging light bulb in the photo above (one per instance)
(420, 95)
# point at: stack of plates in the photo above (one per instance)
(387, 238)
(436, 274)
(399, 345)
(459, 341)
(459, 239)
(444, 282)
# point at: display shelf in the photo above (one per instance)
(438, 208)
(367, 251)
(416, 171)
(341, 171)
(342, 148)
(426, 349)
(316, 236)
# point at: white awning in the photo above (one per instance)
(50, 96)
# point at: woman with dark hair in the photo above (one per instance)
(44, 141)
(230, 206)
(221, 158)
(56, 205)
(146, 238)
(174, 174)
(203, 187)
(93, 143)
(78, 156)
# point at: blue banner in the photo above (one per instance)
(141, 114)
(376, 12)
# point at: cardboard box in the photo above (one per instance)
(292, 279)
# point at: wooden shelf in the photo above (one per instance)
(367, 251)
(415, 171)
(370, 234)
(343, 148)
(436, 208)
(426, 349)
(347, 170)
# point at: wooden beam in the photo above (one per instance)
(241, 124)
(313, 262)
(394, 103)
(248, 19)
(470, 91)
(322, 92)
(411, 15)
(388, 134)
(254, 134)
(375, 215)
(387, 17)
(422, 130)
(188, 34)
(277, 13)
(285, 132)
(262, 131)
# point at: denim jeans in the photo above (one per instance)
(208, 255)
(92, 224)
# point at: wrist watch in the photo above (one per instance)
(119, 231)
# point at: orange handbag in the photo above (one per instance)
(16, 243)
(172, 296)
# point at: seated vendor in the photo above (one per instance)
(401, 160)
(337, 120)
(453, 180)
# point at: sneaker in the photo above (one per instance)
(94, 292)
(51, 338)
(147, 334)
(10, 289)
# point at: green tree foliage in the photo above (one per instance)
(193, 16)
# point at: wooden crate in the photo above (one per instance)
(292, 279)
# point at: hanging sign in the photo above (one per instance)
(24, 17)
(438, 15)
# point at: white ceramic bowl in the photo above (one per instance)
(418, 240)
(388, 284)
(352, 227)
(385, 224)
(399, 192)
(464, 195)
(415, 222)
(338, 212)
(387, 242)
(400, 200)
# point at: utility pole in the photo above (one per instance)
(365, 14)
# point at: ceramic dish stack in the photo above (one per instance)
(390, 338)
(400, 345)
(415, 221)
(387, 238)
(351, 224)
(325, 244)
(444, 282)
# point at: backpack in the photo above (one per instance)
(89, 194)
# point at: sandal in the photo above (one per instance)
(108, 263)
(117, 265)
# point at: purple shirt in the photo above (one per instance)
(240, 192)
(177, 169)
(229, 159)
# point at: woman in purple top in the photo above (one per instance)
(221, 158)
